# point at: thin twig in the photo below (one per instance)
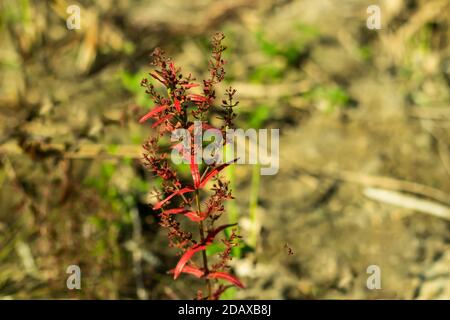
(383, 182)
(409, 202)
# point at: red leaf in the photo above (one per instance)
(194, 171)
(213, 173)
(194, 216)
(174, 211)
(191, 270)
(226, 276)
(155, 111)
(185, 258)
(190, 85)
(157, 123)
(172, 67)
(177, 105)
(211, 235)
(178, 192)
(197, 98)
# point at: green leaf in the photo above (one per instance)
(229, 294)
(214, 248)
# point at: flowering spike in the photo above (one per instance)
(177, 109)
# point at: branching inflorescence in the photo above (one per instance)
(202, 199)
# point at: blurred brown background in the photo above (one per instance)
(364, 117)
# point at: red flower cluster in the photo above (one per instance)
(177, 110)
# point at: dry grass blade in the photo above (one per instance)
(409, 202)
(385, 182)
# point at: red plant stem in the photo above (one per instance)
(202, 238)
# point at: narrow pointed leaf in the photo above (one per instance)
(212, 234)
(194, 216)
(157, 123)
(155, 111)
(197, 98)
(226, 276)
(194, 171)
(190, 85)
(214, 172)
(191, 270)
(178, 192)
(185, 258)
(174, 211)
